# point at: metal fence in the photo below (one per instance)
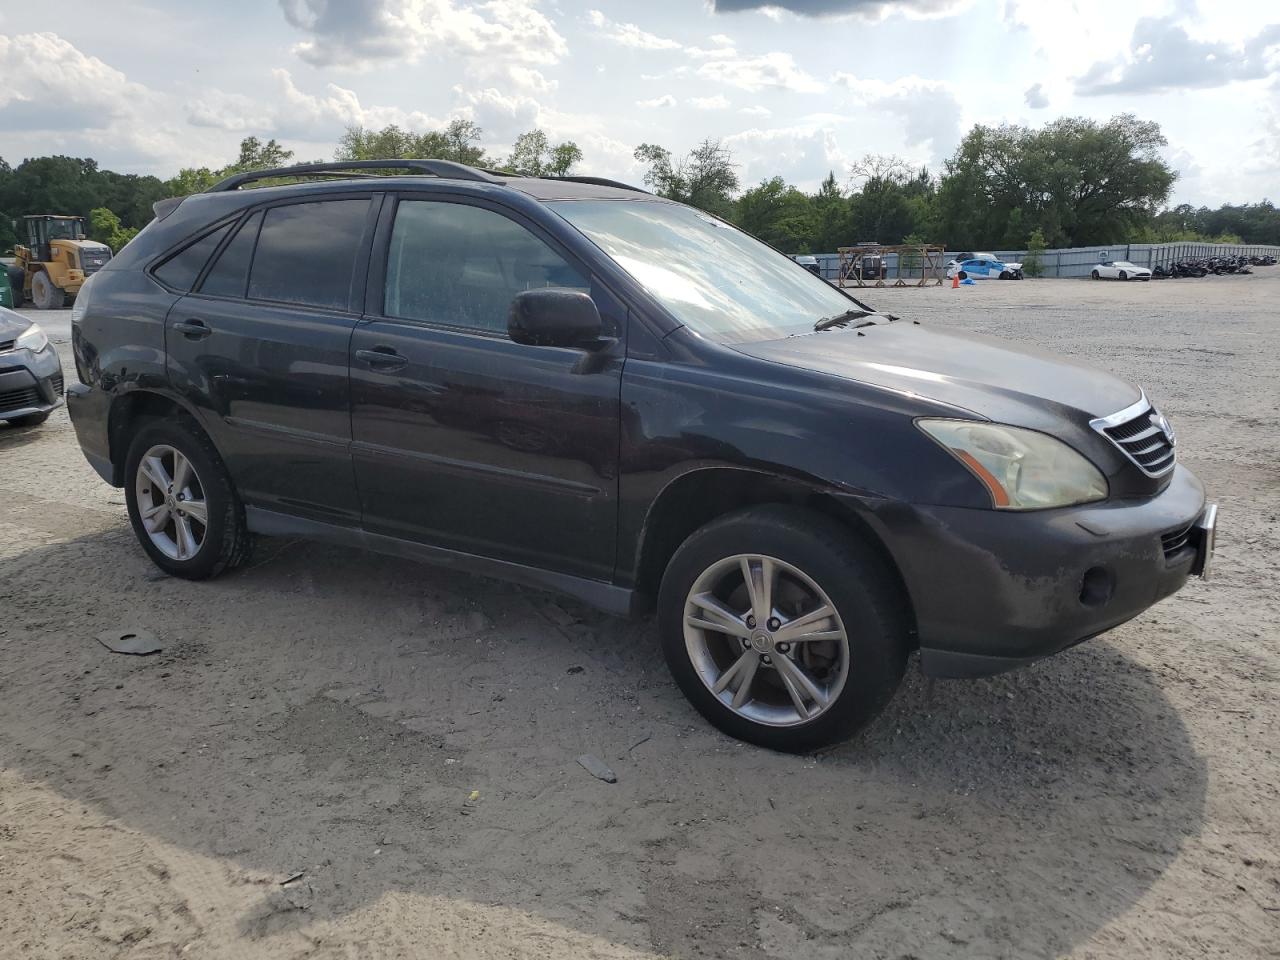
(1077, 261)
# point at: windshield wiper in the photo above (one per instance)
(843, 319)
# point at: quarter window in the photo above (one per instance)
(460, 265)
(229, 274)
(306, 253)
(181, 270)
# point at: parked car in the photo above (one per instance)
(810, 263)
(1120, 270)
(983, 266)
(30, 372)
(566, 382)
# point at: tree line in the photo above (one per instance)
(1072, 182)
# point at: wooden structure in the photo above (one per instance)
(913, 258)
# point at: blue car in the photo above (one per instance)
(983, 266)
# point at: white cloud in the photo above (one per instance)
(308, 116)
(800, 154)
(359, 33)
(757, 111)
(1035, 97)
(771, 70)
(629, 35)
(1164, 56)
(51, 85)
(666, 100)
(864, 9)
(718, 102)
(930, 109)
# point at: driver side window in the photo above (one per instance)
(461, 266)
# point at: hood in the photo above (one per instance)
(983, 375)
(12, 324)
(1013, 264)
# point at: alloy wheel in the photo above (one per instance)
(171, 502)
(766, 640)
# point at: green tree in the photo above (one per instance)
(533, 154)
(707, 178)
(104, 226)
(458, 142)
(1079, 181)
(778, 214)
(1033, 262)
(830, 211)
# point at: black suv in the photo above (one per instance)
(570, 383)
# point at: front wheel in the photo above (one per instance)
(1123, 275)
(46, 294)
(781, 630)
(182, 505)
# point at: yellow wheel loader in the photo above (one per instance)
(52, 266)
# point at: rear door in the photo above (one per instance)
(463, 438)
(261, 345)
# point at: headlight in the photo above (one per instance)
(1022, 469)
(33, 340)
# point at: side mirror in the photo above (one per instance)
(553, 317)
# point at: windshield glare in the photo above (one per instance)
(711, 276)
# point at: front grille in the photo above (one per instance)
(1140, 433)
(56, 381)
(91, 261)
(17, 399)
(1176, 541)
(6, 345)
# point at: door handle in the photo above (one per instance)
(192, 329)
(382, 358)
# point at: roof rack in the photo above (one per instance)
(436, 168)
(600, 182)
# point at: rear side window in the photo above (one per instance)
(230, 274)
(462, 266)
(306, 253)
(180, 270)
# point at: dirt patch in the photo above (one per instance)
(402, 741)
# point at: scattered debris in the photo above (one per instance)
(475, 795)
(138, 643)
(597, 768)
(575, 669)
(645, 739)
(288, 880)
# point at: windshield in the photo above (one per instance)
(65, 230)
(711, 276)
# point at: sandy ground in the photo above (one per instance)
(326, 715)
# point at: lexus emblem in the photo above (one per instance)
(1161, 423)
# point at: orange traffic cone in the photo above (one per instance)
(955, 281)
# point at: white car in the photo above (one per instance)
(983, 266)
(1119, 270)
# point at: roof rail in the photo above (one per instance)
(600, 182)
(436, 168)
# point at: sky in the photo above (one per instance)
(794, 88)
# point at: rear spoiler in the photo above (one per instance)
(162, 208)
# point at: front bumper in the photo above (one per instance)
(993, 590)
(30, 383)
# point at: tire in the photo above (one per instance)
(1005, 275)
(1097, 275)
(856, 666)
(1123, 275)
(963, 275)
(45, 294)
(224, 541)
(30, 420)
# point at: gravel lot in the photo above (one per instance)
(327, 715)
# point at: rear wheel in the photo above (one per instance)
(45, 294)
(1097, 275)
(182, 505)
(780, 631)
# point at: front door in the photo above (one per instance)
(462, 438)
(261, 346)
